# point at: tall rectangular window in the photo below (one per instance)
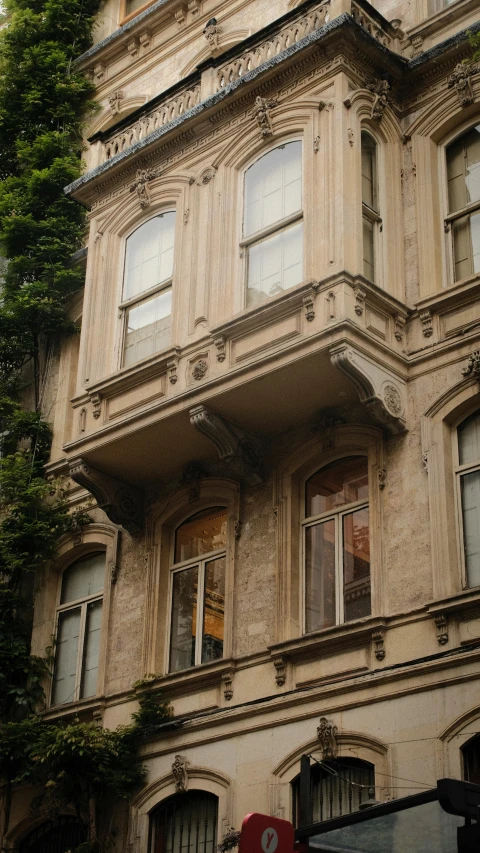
(147, 288)
(273, 223)
(463, 173)
(79, 622)
(371, 220)
(468, 473)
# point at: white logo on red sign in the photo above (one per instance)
(269, 840)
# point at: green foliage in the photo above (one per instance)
(151, 713)
(474, 39)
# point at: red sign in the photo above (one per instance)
(263, 834)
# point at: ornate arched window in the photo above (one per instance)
(336, 544)
(147, 288)
(338, 787)
(371, 219)
(184, 823)
(198, 589)
(273, 223)
(54, 836)
(79, 622)
(468, 479)
(463, 173)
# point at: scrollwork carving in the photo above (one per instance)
(235, 448)
(122, 503)
(461, 81)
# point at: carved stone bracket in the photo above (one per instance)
(280, 665)
(327, 735)
(461, 81)
(261, 114)
(427, 323)
(383, 393)
(221, 347)
(172, 367)
(359, 300)
(180, 773)
(441, 623)
(96, 402)
(399, 327)
(122, 503)
(227, 680)
(378, 641)
(234, 446)
(380, 89)
(473, 366)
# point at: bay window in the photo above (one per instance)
(147, 288)
(198, 590)
(273, 223)
(463, 173)
(79, 620)
(336, 544)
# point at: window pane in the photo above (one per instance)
(275, 264)
(83, 578)
(213, 610)
(356, 565)
(204, 532)
(66, 656)
(149, 327)
(149, 255)
(184, 619)
(368, 248)
(469, 439)
(463, 170)
(133, 5)
(91, 649)
(320, 576)
(471, 761)
(337, 484)
(470, 484)
(466, 244)
(369, 178)
(273, 187)
(336, 793)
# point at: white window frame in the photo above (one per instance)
(451, 218)
(373, 216)
(135, 301)
(81, 603)
(459, 472)
(337, 516)
(246, 243)
(175, 568)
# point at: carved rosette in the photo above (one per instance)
(122, 503)
(383, 393)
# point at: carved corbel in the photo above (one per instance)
(473, 366)
(99, 72)
(122, 503)
(399, 327)
(180, 15)
(96, 402)
(359, 300)
(133, 46)
(327, 735)
(309, 304)
(221, 347)
(378, 641)
(172, 367)
(461, 81)
(235, 447)
(441, 623)
(427, 323)
(383, 393)
(227, 679)
(280, 665)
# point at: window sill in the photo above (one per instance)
(128, 377)
(338, 638)
(458, 603)
(192, 680)
(451, 295)
(84, 709)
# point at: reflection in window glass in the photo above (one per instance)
(370, 209)
(469, 455)
(273, 194)
(149, 327)
(356, 565)
(320, 599)
(149, 255)
(463, 172)
(340, 483)
(198, 590)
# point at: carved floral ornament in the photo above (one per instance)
(380, 90)
(461, 81)
(141, 185)
(261, 114)
(211, 33)
(327, 735)
(180, 773)
(473, 367)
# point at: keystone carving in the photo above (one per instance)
(261, 114)
(141, 185)
(473, 366)
(235, 448)
(380, 89)
(327, 735)
(115, 101)
(180, 773)
(442, 628)
(461, 81)
(383, 394)
(122, 503)
(211, 33)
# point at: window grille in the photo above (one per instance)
(185, 823)
(336, 788)
(56, 836)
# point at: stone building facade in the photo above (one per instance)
(272, 412)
